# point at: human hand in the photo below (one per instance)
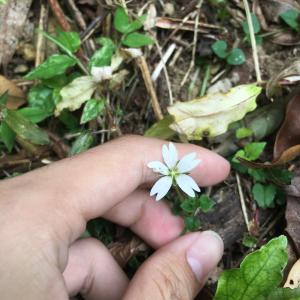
(42, 214)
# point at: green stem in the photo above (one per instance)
(205, 81)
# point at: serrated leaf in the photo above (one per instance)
(211, 115)
(206, 203)
(70, 40)
(220, 48)
(161, 129)
(103, 56)
(76, 93)
(121, 20)
(260, 274)
(54, 65)
(137, 40)
(24, 128)
(92, 109)
(188, 205)
(264, 195)
(256, 25)
(291, 18)
(191, 223)
(236, 57)
(82, 143)
(34, 114)
(7, 136)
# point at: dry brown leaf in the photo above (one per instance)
(287, 141)
(123, 252)
(285, 38)
(12, 17)
(292, 216)
(171, 23)
(16, 97)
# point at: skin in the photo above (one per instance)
(43, 212)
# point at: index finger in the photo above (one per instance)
(95, 181)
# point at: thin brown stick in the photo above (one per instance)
(60, 16)
(142, 64)
(40, 43)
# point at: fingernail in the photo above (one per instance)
(204, 254)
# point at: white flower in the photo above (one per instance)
(101, 73)
(173, 172)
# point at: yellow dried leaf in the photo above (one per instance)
(211, 115)
(293, 280)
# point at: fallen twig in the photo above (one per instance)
(142, 64)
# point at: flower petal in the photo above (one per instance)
(158, 167)
(188, 163)
(170, 155)
(187, 184)
(161, 187)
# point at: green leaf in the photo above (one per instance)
(54, 65)
(260, 274)
(24, 128)
(256, 25)
(56, 82)
(161, 129)
(254, 150)
(137, 40)
(191, 223)
(243, 132)
(136, 24)
(34, 114)
(280, 174)
(188, 205)
(82, 143)
(70, 40)
(291, 18)
(206, 203)
(264, 195)
(220, 48)
(7, 136)
(40, 96)
(259, 174)
(102, 57)
(284, 294)
(236, 57)
(92, 109)
(69, 120)
(121, 20)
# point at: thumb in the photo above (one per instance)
(178, 270)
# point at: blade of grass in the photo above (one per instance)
(253, 41)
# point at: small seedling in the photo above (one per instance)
(266, 191)
(174, 173)
(233, 57)
(256, 29)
